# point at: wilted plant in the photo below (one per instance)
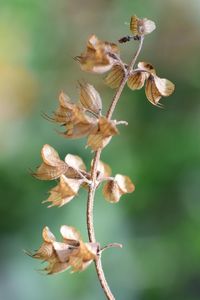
(85, 119)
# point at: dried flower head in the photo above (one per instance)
(99, 56)
(84, 118)
(71, 172)
(72, 252)
(73, 117)
(141, 26)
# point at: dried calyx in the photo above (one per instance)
(155, 87)
(138, 27)
(72, 176)
(141, 27)
(84, 119)
(116, 187)
(72, 252)
(99, 56)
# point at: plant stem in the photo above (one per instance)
(93, 186)
(121, 87)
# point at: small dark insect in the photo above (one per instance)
(124, 39)
(127, 38)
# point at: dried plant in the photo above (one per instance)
(84, 119)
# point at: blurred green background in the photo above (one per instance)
(159, 224)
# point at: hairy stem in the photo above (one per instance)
(93, 186)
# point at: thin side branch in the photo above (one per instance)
(92, 188)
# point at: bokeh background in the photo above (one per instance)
(159, 224)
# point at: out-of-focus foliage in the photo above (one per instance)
(159, 224)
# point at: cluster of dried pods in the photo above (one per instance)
(85, 119)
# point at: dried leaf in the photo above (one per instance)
(90, 98)
(141, 26)
(114, 78)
